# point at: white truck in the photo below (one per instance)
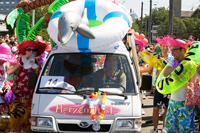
(72, 74)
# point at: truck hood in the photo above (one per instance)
(76, 107)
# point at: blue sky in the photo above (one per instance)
(135, 5)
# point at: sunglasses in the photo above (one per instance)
(172, 50)
(29, 49)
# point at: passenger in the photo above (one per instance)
(110, 76)
(78, 66)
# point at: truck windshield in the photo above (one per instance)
(69, 73)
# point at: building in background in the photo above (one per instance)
(3, 30)
(186, 14)
(154, 33)
(6, 6)
(2, 18)
(177, 8)
(133, 16)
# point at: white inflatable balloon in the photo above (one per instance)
(116, 23)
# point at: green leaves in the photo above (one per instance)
(182, 28)
(12, 16)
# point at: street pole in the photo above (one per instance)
(145, 27)
(141, 17)
(180, 30)
(149, 32)
(171, 9)
(33, 18)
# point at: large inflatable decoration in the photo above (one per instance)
(140, 40)
(104, 17)
(108, 23)
(153, 59)
(140, 37)
(182, 73)
(22, 28)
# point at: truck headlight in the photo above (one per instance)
(42, 121)
(128, 124)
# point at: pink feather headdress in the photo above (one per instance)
(140, 43)
(176, 42)
(162, 40)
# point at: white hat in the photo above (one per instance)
(14, 49)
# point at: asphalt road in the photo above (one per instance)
(148, 108)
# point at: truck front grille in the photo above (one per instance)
(75, 127)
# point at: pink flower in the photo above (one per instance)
(10, 82)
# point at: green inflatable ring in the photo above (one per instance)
(186, 69)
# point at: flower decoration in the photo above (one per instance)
(10, 83)
(95, 121)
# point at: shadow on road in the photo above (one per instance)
(147, 106)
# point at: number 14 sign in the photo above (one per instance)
(52, 81)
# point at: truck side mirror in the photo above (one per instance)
(32, 79)
(146, 82)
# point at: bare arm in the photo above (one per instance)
(198, 68)
(168, 70)
(148, 69)
(11, 68)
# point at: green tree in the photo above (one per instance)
(39, 13)
(159, 15)
(179, 28)
(192, 26)
(135, 26)
(196, 14)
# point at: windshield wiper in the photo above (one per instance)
(90, 90)
(58, 88)
(84, 90)
(122, 95)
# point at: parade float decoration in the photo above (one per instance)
(22, 27)
(153, 59)
(140, 40)
(186, 69)
(95, 121)
(108, 23)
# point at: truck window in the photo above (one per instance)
(79, 71)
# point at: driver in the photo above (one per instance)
(110, 76)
